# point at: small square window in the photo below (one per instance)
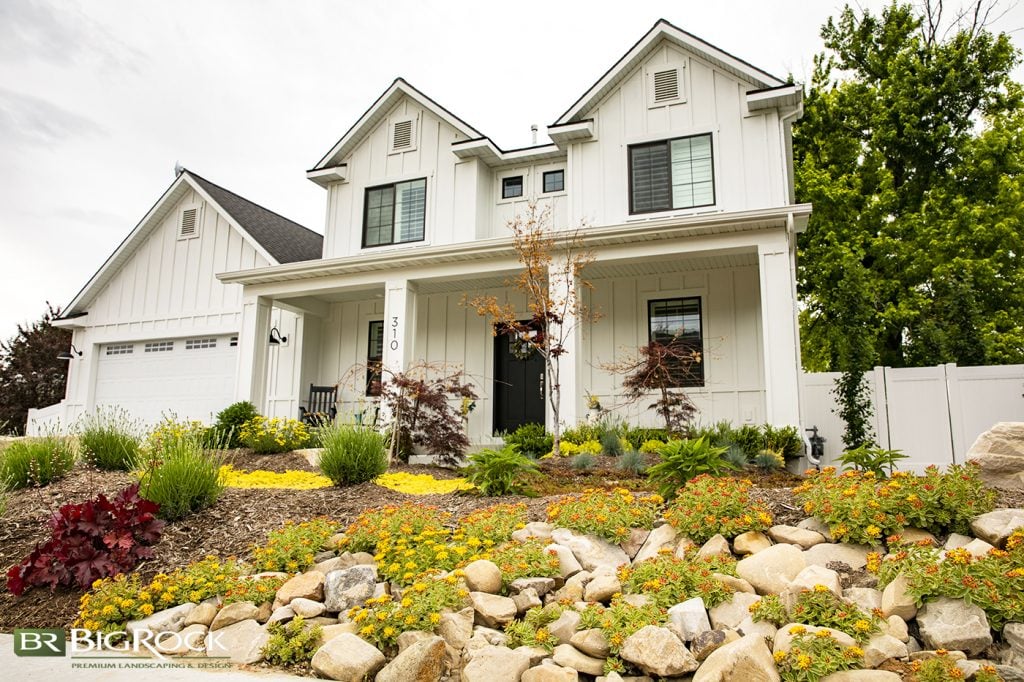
(554, 181)
(159, 346)
(200, 344)
(512, 187)
(120, 349)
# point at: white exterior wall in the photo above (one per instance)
(747, 150)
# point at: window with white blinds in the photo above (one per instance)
(671, 174)
(395, 213)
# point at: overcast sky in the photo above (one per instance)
(99, 99)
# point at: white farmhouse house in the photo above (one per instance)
(676, 167)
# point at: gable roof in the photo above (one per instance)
(275, 237)
(398, 89)
(662, 29)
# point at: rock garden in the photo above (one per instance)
(681, 566)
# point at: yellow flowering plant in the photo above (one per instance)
(527, 559)
(617, 622)
(290, 480)
(169, 429)
(496, 522)
(421, 484)
(292, 547)
(292, 643)
(812, 657)
(383, 523)
(532, 628)
(820, 607)
(403, 558)
(570, 449)
(382, 619)
(273, 435)
(707, 506)
(668, 580)
(607, 513)
(651, 446)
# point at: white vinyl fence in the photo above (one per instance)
(932, 414)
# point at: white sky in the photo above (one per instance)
(98, 99)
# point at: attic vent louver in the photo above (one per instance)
(189, 222)
(401, 135)
(666, 85)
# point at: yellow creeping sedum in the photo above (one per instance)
(421, 484)
(293, 480)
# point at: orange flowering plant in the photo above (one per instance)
(707, 506)
(820, 607)
(608, 514)
(382, 619)
(669, 580)
(292, 547)
(813, 657)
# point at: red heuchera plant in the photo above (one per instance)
(91, 540)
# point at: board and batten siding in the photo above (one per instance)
(747, 150)
(731, 318)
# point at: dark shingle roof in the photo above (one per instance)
(285, 240)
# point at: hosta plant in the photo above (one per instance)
(682, 460)
(707, 506)
(607, 513)
(89, 541)
(499, 472)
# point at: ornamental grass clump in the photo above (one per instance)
(182, 476)
(858, 507)
(708, 506)
(110, 440)
(351, 454)
(293, 547)
(822, 608)
(668, 580)
(813, 657)
(268, 436)
(36, 461)
(608, 514)
(382, 619)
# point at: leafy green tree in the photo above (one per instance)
(30, 373)
(911, 150)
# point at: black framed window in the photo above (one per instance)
(395, 213)
(677, 322)
(554, 181)
(512, 187)
(374, 357)
(671, 174)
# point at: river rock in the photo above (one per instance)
(483, 576)
(716, 546)
(234, 613)
(771, 570)
(896, 601)
(168, 620)
(307, 608)
(657, 652)
(750, 542)
(748, 659)
(1000, 453)
(854, 556)
(347, 657)
(795, 535)
(349, 587)
(309, 585)
(954, 624)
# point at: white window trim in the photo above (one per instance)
(526, 173)
(682, 83)
(413, 134)
(541, 194)
(123, 348)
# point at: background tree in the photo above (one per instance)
(911, 151)
(30, 373)
(553, 283)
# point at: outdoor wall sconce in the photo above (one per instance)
(69, 355)
(276, 338)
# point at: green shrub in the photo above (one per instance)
(292, 643)
(582, 432)
(531, 439)
(230, 421)
(582, 462)
(497, 472)
(110, 440)
(36, 461)
(784, 440)
(351, 454)
(638, 435)
(682, 460)
(274, 435)
(182, 477)
(769, 460)
(632, 462)
(748, 437)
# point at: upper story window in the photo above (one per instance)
(675, 322)
(395, 213)
(554, 181)
(671, 174)
(512, 187)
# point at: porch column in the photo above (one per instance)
(253, 344)
(562, 285)
(399, 326)
(779, 335)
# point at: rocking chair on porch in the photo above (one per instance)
(321, 405)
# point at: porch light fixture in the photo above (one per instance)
(69, 355)
(276, 338)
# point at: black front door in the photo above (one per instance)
(518, 386)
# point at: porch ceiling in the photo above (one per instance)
(682, 263)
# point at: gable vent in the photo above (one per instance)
(189, 222)
(666, 85)
(401, 135)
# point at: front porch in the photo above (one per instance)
(337, 317)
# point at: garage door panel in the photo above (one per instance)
(193, 383)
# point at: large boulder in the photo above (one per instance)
(689, 619)
(662, 537)
(995, 527)
(168, 620)
(234, 613)
(658, 652)
(309, 585)
(745, 660)
(420, 662)
(1000, 452)
(496, 664)
(347, 657)
(483, 576)
(568, 656)
(954, 624)
(349, 587)
(771, 570)
(591, 551)
(241, 643)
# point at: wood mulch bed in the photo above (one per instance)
(243, 517)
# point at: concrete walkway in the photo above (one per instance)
(120, 669)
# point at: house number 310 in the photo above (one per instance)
(394, 333)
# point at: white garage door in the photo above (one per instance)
(193, 378)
